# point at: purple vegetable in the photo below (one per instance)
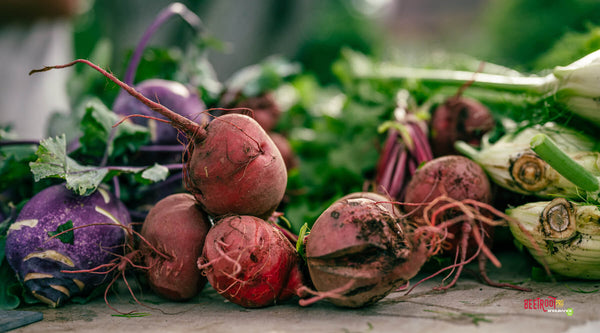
(174, 95)
(42, 261)
(171, 94)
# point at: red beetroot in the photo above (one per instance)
(250, 262)
(233, 167)
(453, 197)
(237, 169)
(459, 118)
(359, 251)
(265, 110)
(455, 176)
(177, 227)
(285, 149)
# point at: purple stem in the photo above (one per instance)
(420, 149)
(162, 148)
(178, 177)
(175, 8)
(399, 174)
(117, 187)
(385, 158)
(388, 171)
(412, 166)
(173, 166)
(423, 143)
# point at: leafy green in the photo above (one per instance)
(152, 174)
(99, 137)
(335, 137)
(64, 232)
(265, 76)
(304, 231)
(53, 161)
(10, 288)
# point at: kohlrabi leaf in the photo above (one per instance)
(54, 162)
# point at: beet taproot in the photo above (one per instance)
(177, 227)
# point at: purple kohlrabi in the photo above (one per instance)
(174, 95)
(45, 243)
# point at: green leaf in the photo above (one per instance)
(65, 232)
(100, 137)
(15, 177)
(52, 159)
(152, 174)
(304, 231)
(96, 126)
(53, 162)
(10, 287)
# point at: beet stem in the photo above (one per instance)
(390, 166)
(397, 183)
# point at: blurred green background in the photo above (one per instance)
(527, 35)
(514, 33)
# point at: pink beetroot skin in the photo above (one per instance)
(459, 118)
(358, 251)
(455, 177)
(250, 263)
(236, 169)
(176, 226)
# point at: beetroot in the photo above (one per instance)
(175, 226)
(454, 176)
(250, 262)
(452, 198)
(458, 118)
(360, 249)
(43, 263)
(233, 167)
(265, 110)
(284, 147)
(237, 169)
